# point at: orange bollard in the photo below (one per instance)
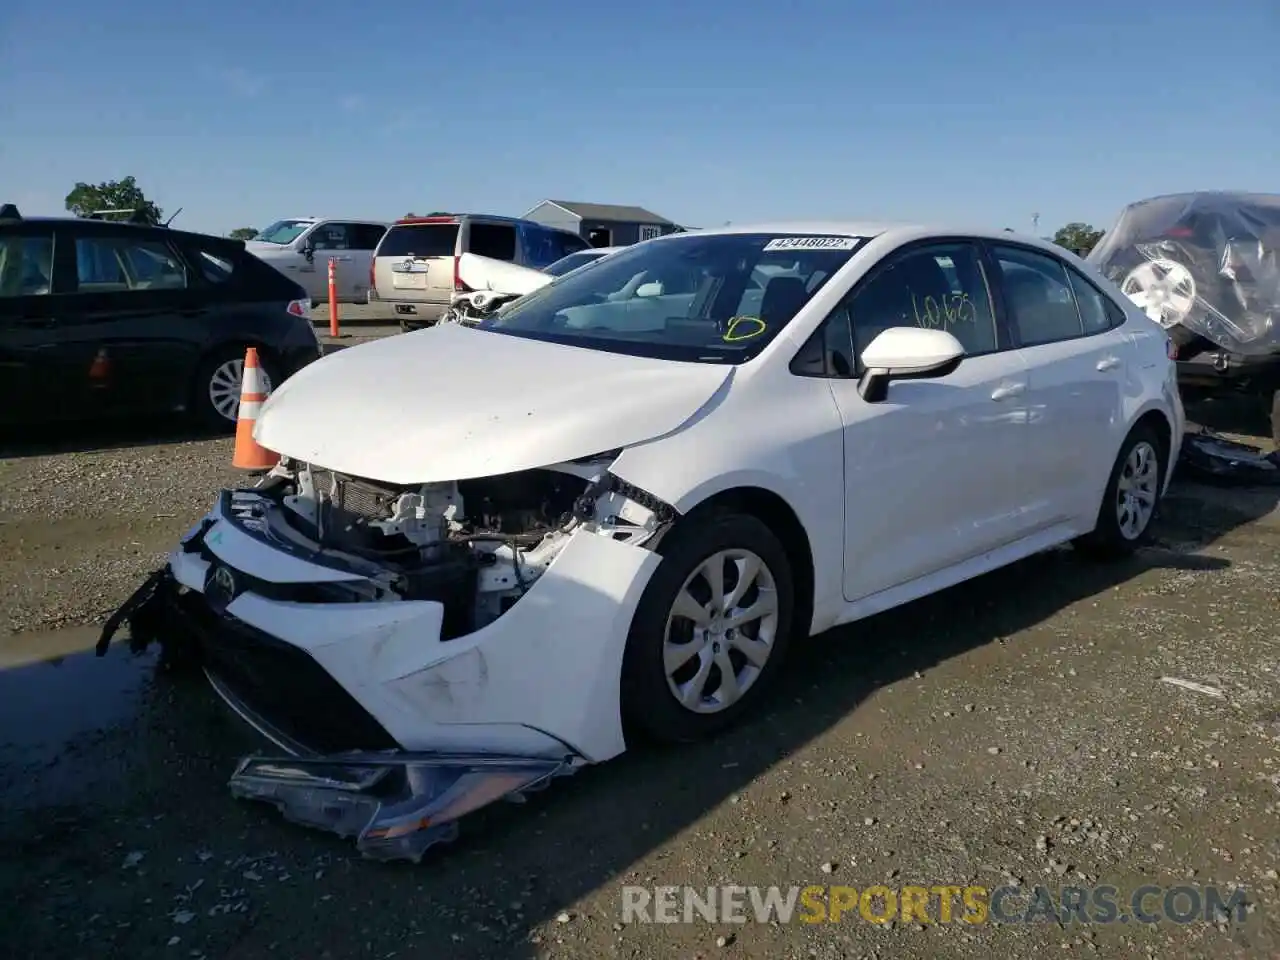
(333, 296)
(249, 454)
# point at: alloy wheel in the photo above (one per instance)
(225, 385)
(720, 631)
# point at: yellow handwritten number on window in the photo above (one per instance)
(743, 328)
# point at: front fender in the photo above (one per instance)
(790, 444)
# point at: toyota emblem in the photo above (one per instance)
(220, 588)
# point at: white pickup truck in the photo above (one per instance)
(300, 248)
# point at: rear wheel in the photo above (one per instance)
(1129, 504)
(711, 630)
(217, 385)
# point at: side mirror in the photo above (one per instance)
(653, 289)
(308, 249)
(906, 353)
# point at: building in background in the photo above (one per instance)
(602, 224)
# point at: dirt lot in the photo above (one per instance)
(1013, 730)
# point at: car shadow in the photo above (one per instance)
(1232, 414)
(584, 835)
(517, 867)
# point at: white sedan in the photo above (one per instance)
(493, 555)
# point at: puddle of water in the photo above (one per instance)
(54, 692)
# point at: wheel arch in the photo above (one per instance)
(774, 511)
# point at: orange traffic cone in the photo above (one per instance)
(251, 455)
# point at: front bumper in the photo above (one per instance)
(390, 733)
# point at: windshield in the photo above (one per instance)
(283, 231)
(572, 262)
(710, 298)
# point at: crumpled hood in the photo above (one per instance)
(451, 403)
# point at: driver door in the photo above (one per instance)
(333, 240)
(934, 472)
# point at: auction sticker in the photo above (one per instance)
(813, 243)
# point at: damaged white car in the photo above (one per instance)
(491, 555)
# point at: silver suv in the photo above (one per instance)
(415, 266)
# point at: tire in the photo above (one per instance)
(1111, 539)
(649, 703)
(219, 372)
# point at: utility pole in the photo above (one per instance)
(1035, 224)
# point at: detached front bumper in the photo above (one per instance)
(388, 733)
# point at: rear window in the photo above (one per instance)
(238, 273)
(494, 240)
(420, 240)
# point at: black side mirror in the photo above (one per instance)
(309, 250)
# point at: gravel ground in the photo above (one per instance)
(1014, 729)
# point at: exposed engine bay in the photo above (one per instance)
(476, 545)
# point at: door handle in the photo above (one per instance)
(1007, 391)
(40, 322)
(194, 312)
(1108, 363)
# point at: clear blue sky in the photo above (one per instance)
(703, 110)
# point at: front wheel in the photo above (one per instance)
(711, 630)
(1129, 504)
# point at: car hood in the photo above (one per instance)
(262, 248)
(485, 273)
(451, 403)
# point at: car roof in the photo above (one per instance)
(895, 232)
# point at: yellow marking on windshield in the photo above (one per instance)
(743, 328)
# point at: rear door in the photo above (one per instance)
(133, 332)
(414, 262)
(1078, 362)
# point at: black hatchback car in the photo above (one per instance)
(108, 319)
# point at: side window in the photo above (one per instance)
(829, 350)
(540, 247)
(365, 236)
(26, 265)
(1097, 312)
(939, 287)
(106, 264)
(332, 236)
(494, 240)
(1038, 296)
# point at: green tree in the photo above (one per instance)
(243, 233)
(125, 194)
(1078, 237)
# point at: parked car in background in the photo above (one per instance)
(1206, 267)
(300, 247)
(101, 319)
(415, 267)
(493, 555)
(580, 259)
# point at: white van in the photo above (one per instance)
(300, 248)
(415, 267)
